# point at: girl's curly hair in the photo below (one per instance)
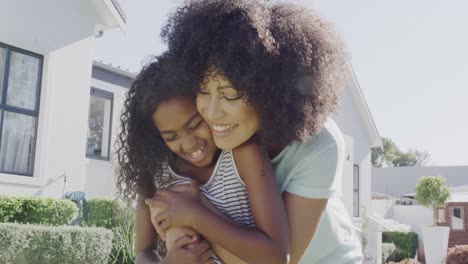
(140, 148)
(285, 59)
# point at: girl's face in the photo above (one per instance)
(232, 120)
(184, 131)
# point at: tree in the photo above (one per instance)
(432, 192)
(391, 156)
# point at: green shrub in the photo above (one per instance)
(21, 243)
(457, 255)
(387, 250)
(102, 212)
(36, 210)
(115, 215)
(406, 244)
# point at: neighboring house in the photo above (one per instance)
(398, 181)
(456, 217)
(46, 51)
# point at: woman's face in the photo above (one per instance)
(232, 120)
(184, 131)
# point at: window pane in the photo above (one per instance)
(457, 218)
(356, 204)
(356, 177)
(99, 127)
(2, 68)
(18, 140)
(22, 81)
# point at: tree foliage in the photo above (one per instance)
(432, 192)
(391, 156)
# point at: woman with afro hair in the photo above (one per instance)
(286, 64)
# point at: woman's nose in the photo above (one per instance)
(213, 111)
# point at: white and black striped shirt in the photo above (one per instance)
(224, 189)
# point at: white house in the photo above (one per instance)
(46, 51)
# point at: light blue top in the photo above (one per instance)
(314, 170)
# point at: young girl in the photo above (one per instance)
(165, 143)
(288, 65)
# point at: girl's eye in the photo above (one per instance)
(193, 127)
(170, 139)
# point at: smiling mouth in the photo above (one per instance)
(198, 154)
(221, 130)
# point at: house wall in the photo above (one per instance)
(63, 114)
(358, 144)
(347, 178)
(457, 237)
(100, 177)
(397, 181)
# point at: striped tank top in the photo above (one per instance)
(224, 189)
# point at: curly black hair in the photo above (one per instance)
(286, 60)
(140, 148)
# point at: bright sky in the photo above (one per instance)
(410, 58)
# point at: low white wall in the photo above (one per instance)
(383, 207)
(413, 215)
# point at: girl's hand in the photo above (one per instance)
(175, 208)
(189, 249)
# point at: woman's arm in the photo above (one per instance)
(267, 243)
(304, 217)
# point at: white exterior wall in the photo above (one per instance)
(358, 146)
(347, 178)
(100, 177)
(63, 117)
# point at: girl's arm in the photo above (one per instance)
(145, 235)
(267, 243)
(185, 249)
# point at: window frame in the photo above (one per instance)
(356, 174)
(462, 216)
(18, 110)
(106, 95)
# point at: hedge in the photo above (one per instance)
(115, 215)
(387, 250)
(21, 243)
(406, 244)
(36, 210)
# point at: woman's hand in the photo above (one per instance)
(175, 207)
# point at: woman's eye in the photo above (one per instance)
(232, 98)
(201, 91)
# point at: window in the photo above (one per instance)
(99, 124)
(457, 216)
(20, 85)
(356, 190)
